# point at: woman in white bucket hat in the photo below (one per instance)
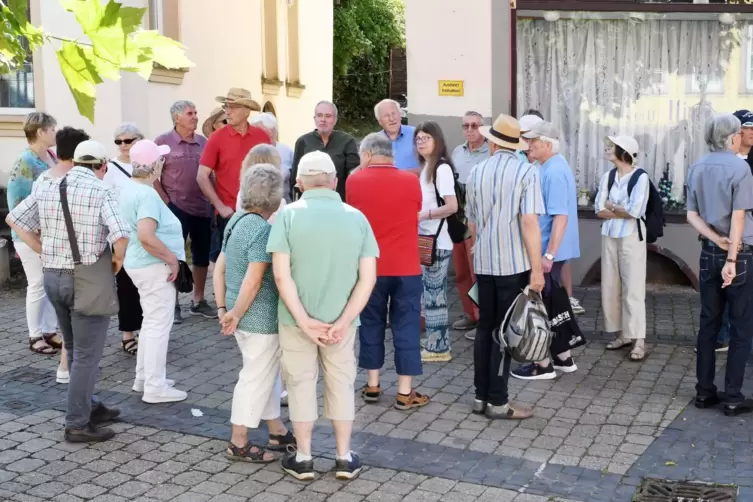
(621, 204)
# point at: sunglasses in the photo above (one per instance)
(472, 127)
(125, 141)
(748, 124)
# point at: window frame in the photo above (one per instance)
(18, 111)
(747, 65)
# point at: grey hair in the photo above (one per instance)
(554, 142)
(146, 170)
(720, 131)
(261, 188)
(267, 121)
(179, 107)
(376, 143)
(471, 113)
(328, 103)
(317, 180)
(384, 102)
(128, 129)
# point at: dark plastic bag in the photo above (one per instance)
(567, 333)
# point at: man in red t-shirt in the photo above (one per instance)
(391, 200)
(224, 153)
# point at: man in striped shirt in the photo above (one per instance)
(503, 203)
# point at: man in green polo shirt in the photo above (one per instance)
(324, 259)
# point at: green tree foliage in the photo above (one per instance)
(113, 41)
(364, 33)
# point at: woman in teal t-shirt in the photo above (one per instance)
(247, 300)
(154, 248)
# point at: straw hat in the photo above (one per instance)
(505, 132)
(208, 127)
(238, 96)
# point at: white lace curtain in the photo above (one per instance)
(588, 76)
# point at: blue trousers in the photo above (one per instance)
(726, 329)
(403, 295)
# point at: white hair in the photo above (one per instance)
(554, 142)
(267, 121)
(377, 144)
(328, 103)
(179, 108)
(720, 132)
(146, 170)
(261, 188)
(317, 180)
(128, 129)
(384, 102)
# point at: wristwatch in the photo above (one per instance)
(549, 256)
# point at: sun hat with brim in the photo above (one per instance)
(147, 152)
(505, 132)
(627, 143)
(546, 129)
(238, 96)
(528, 121)
(208, 127)
(90, 152)
(745, 117)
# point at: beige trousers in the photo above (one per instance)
(300, 368)
(623, 285)
(257, 394)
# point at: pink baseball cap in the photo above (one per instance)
(145, 152)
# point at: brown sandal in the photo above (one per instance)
(44, 350)
(249, 453)
(371, 394)
(413, 400)
(131, 346)
(54, 340)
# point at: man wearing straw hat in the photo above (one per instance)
(503, 203)
(225, 151)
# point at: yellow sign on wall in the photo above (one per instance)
(451, 88)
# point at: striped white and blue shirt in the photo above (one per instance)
(499, 191)
(635, 204)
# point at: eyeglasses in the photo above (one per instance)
(423, 139)
(125, 141)
(472, 126)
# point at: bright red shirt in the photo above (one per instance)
(391, 200)
(224, 153)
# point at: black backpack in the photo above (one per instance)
(654, 218)
(457, 226)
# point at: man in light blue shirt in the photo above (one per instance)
(559, 233)
(387, 113)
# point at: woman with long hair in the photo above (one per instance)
(439, 201)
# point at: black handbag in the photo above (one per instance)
(184, 281)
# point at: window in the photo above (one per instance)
(294, 76)
(17, 88)
(704, 84)
(748, 53)
(164, 16)
(271, 72)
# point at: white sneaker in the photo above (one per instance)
(166, 395)
(576, 306)
(138, 385)
(62, 376)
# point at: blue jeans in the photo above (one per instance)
(403, 295)
(435, 303)
(724, 332)
(737, 299)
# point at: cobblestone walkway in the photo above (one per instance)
(594, 436)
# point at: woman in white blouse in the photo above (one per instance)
(621, 204)
(437, 178)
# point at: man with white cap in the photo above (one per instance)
(324, 259)
(96, 222)
(559, 232)
(503, 203)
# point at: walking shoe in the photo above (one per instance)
(302, 471)
(464, 323)
(565, 366)
(166, 395)
(88, 434)
(719, 347)
(346, 469)
(734, 409)
(138, 385)
(405, 402)
(178, 316)
(576, 306)
(471, 335)
(62, 376)
(479, 407)
(203, 309)
(533, 371)
(101, 413)
(507, 412)
(708, 401)
(435, 357)
(371, 394)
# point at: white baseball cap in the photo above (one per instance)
(542, 128)
(315, 163)
(528, 121)
(90, 152)
(627, 143)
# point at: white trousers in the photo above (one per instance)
(158, 304)
(623, 285)
(40, 314)
(257, 394)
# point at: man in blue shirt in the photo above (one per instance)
(559, 230)
(387, 113)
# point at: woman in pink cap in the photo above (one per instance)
(154, 248)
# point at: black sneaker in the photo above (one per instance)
(348, 469)
(101, 413)
(203, 309)
(303, 471)
(88, 434)
(566, 366)
(533, 371)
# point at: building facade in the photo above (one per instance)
(280, 50)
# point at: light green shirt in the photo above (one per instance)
(325, 239)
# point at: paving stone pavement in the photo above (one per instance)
(594, 435)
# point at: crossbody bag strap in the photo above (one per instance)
(121, 168)
(69, 221)
(440, 203)
(230, 230)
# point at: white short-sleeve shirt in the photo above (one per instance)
(116, 178)
(446, 187)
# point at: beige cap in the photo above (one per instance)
(90, 152)
(315, 163)
(546, 129)
(627, 143)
